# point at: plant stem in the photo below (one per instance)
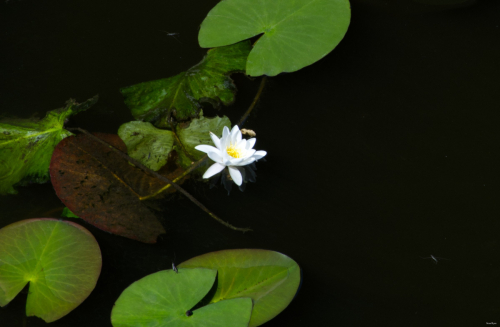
(240, 124)
(163, 178)
(254, 102)
(190, 169)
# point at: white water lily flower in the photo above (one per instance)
(230, 151)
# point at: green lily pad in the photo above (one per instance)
(295, 33)
(164, 298)
(181, 95)
(269, 278)
(60, 259)
(198, 132)
(26, 145)
(146, 143)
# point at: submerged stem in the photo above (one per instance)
(254, 102)
(163, 178)
(187, 171)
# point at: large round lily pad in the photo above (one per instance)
(60, 259)
(269, 278)
(295, 33)
(166, 298)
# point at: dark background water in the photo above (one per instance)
(383, 152)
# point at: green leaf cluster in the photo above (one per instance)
(151, 146)
(181, 96)
(26, 145)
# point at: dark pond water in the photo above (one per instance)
(383, 152)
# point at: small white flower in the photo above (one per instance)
(231, 151)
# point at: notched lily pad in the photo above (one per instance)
(146, 143)
(167, 298)
(104, 189)
(295, 33)
(269, 278)
(26, 145)
(181, 95)
(60, 259)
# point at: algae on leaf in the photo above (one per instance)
(181, 95)
(295, 33)
(26, 145)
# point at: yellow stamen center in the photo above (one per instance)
(233, 151)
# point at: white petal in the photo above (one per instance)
(237, 138)
(242, 144)
(245, 162)
(226, 135)
(213, 169)
(215, 156)
(225, 132)
(235, 132)
(259, 155)
(251, 143)
(235, 175)
(233, 161)
(206, 148)
(215, 139)
(249, 153)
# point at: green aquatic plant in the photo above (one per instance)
(252, 287)
(295, 34)
(26, 145)
(60, 260)
(168, 298)
(181, 96)
(107, 180)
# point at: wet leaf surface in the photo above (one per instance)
(146, 143)
(59, 259)
(26, 145)
(295, 33)
(181, 95)
(269, 278)
(104, 189)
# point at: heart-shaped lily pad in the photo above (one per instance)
(166, 298)
(269, 278)
(60, 259)
(296, 33)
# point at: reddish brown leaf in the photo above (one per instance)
(104, 189)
